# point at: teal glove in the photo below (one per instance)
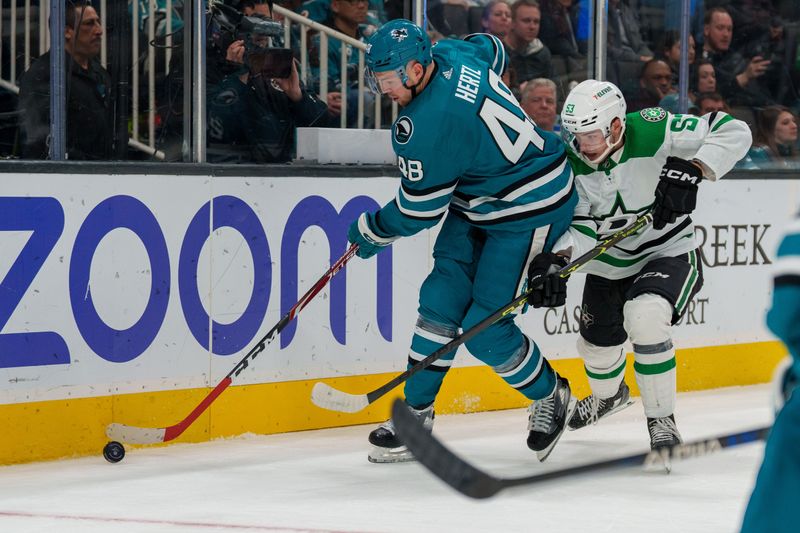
(363, 233)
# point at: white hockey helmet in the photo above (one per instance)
(593, 105)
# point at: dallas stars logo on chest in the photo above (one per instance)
(618, 217)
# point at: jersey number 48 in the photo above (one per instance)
(495, 116)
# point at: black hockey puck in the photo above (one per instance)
(114, 452)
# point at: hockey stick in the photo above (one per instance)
(475, 483)
(140, 435)
(325, 396)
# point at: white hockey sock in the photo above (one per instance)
(648, 323)
(605, 367)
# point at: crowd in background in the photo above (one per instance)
(744, 58)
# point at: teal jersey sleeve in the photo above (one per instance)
(783, 318)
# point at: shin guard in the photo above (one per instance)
(648, 319)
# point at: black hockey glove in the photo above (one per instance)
(676, 193)
(552, 290)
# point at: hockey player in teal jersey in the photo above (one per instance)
(777, 491)
(468, 154)
(625, 165)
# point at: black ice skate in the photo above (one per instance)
(548, 417)
(663, 435)
(387, 448)
(591, 409)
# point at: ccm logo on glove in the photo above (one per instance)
(676, 174)
(676, 193)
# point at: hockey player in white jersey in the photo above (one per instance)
(625, 165)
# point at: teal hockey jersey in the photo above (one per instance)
(465, 145)
(783, 317)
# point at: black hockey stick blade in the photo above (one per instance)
(327, 397)
(475, 483)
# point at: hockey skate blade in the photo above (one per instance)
(658, 461)
(325, 396)
(135, 435)
(544, 454)
(380, 455)
(617, 409)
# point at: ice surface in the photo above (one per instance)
(321, 481)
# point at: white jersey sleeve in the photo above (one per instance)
(716, 139)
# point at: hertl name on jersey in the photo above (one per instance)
(468, 82)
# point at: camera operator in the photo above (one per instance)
(254, 110)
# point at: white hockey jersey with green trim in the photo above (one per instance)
(623, 187)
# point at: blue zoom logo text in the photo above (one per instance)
(44, 218)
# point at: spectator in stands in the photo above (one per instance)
(669, 50)
(253, 7)
(751, 19)
(774, 143)
(350, 18)
(625, 41)
(529, 56)
(704, 77)
(709, 103)
(252, 118)
(496, 18)
(89, 122)
(655, 82)
(320, 11)
(702, 80)
(558, 33)
(540, 101)
(773, 44)
(736, 76)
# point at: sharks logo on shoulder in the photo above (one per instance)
(399, 34)
(403, 130)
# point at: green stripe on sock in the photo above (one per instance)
(656, 368)
(614, 373)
